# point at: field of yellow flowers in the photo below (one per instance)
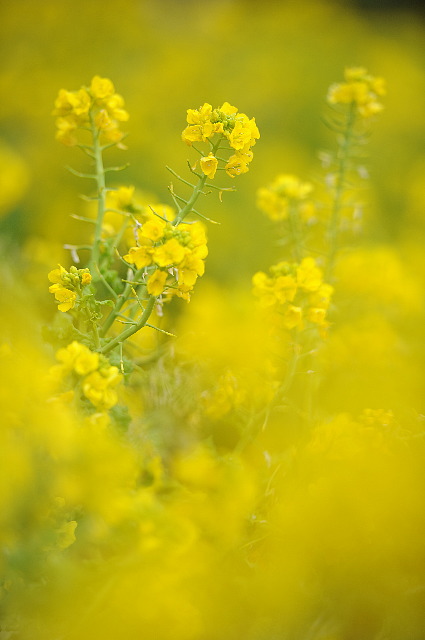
(212, 346)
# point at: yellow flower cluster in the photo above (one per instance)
(286, 191)
(98, 379)
(177, 253)
(67, 285)
(240, 131)
(96, 105)
(296, 291)
(359, 89)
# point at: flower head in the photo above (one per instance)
(96, 105)
(359, 89)
(226, 124)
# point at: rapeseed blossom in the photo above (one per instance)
(361, 90)
(68, 286)
(97, 104)
(173, 255)
(95, 378)
(215, 125)
(284, 192)
(296, 292)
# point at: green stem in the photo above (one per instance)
(343, 158)
(119, 304)
(197, 189)
(190, 203)
(127, 333)
(100, 181)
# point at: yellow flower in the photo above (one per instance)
(193, 262)
(292, 317)
(198, 238)
(264, 288)
(197, 133)
(209, 165)
(255, 134)
(56, 275)
(115, 107)
(98, 387)
(76, 103)
(236, 166)
(153, 229)
(140, 256)
(183, 291)
(65, 297)
(65, 133)
(322, 297)
(63, 103)
(156, 282)
(227, 109)
(81, 104)
(284, 289)
(171, 252)
(103, 120)
(309, 276)
(360, 89)
(199, 116)
(77, 357)
(240, 136)
(101, 88)
(316, 315)
(121, 199)
(187, 277)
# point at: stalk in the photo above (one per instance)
(101, 185)
(119, 304)
(343, 162)
(127, 333)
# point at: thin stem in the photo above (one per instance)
(131, 330)
(119, 303)
(197, 190)
(343, 158)
(100, 181)
(189, 205)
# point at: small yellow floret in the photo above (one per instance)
(209, 165)
(156, 282)
(171, 252)
(101, 88)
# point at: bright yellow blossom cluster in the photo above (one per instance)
(359, 89)
(223, 123)
(67, 285)
(96, 105)
(296, 291)
(285, 191)
(177, 253)
(96, 378)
